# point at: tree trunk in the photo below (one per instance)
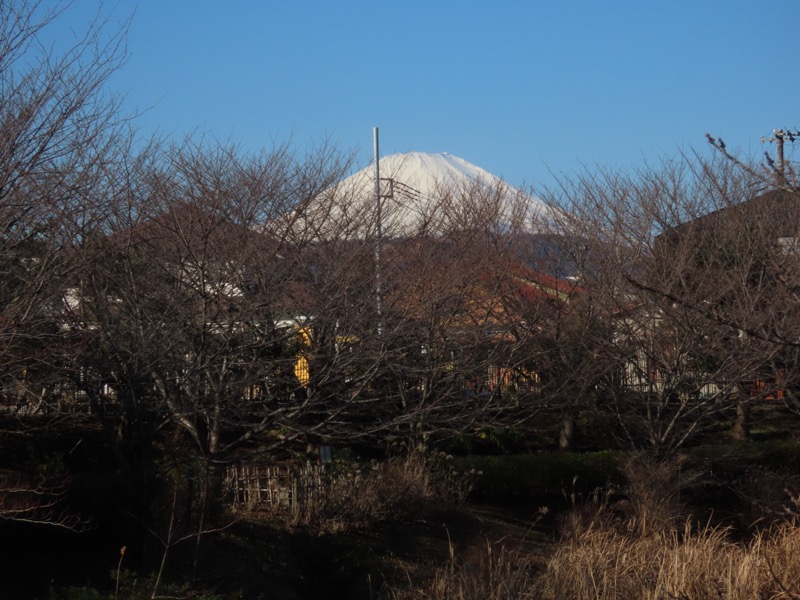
(741, 427)
(568, 432)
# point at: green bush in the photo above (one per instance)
(544, 477)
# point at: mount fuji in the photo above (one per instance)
(421, 193)
(428, 172)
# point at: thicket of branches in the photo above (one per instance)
(220, 304)
(195, 299)
(694, 265)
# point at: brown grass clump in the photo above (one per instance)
(780, 552)
(654, 492)
(649, 502)
(357, 497)
(687, 565)
(633, 543)
(610, 563)
(488, 572)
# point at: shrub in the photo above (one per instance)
(360, 497)
(355, 497)
(654, 491)
(764, 496)
(585, 514)
(540, 478)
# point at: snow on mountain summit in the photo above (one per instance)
(420, 193)
(427, 172)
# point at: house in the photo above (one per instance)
(739, 268)
(765, 227)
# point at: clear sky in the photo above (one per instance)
(521, 88)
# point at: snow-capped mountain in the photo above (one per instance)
(427, 172)
(420, 193)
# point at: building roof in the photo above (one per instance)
(779, 210)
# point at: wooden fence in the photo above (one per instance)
(275, 488)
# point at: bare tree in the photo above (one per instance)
(188, 295)
(59, 139)
(695, 308)
(422, 365)
(450, 351)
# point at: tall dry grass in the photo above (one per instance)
(654, 492)
(487, 572)
(687, 565)
(638, 543)
(606, 564)
(646, 547)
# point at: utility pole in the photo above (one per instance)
(379, 197)
(378, 233)
(779, 136)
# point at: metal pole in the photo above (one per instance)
(378, 233)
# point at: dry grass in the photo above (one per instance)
(650, 502)
(607, 564)
(487, 572)
(654, 492)
(685, 565)
(359, 497)
(646, 547)
(635, 543)
(593, 513)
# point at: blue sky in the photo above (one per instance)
(523, 89)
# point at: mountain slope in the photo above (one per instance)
(421, 193)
